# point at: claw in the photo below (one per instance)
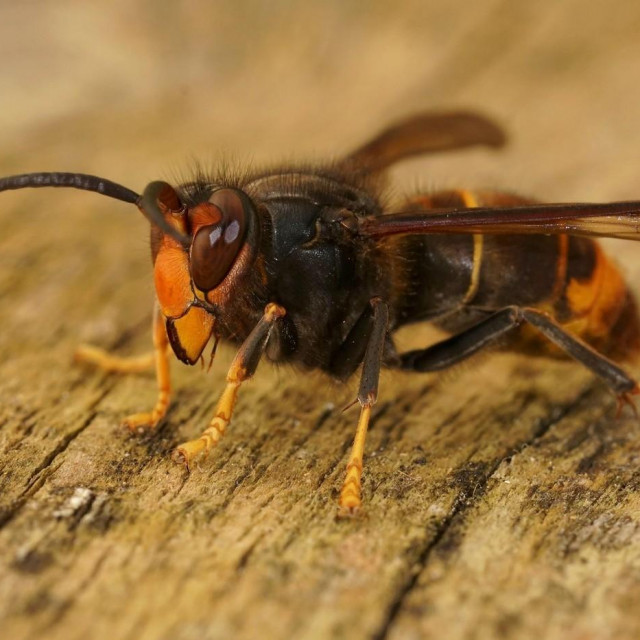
(179, 457)
(188, 452)
(351, 512)
(140, 422)
(345, 512)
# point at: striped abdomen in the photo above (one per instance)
(455, 279)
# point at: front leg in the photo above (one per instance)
(242, 368)
(159, 357)
(148, 420)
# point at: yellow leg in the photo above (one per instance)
(351, 494)
(190, 451)
(102, 359)
(158, 357)
(242, 368)
(149, 419)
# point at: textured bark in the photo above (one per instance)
(502, 501)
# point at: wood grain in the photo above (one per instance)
(502, 500)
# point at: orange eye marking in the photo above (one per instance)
(172, 279)
(189, 335)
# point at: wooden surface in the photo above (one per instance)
(502, 501)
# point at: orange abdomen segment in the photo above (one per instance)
(596, 303)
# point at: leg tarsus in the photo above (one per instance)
(242, 368)
(141, 423)
(199, 449)
(351, 493)
(102, 359)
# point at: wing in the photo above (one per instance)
(612, 220)
(425, 133)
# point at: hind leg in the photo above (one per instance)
(463, 345)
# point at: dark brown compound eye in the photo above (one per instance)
(215, 246)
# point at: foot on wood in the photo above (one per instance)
(193, 451)
(141, 422)
(351, 493)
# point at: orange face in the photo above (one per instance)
(189, 327)
(217, 229)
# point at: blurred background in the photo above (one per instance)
(135, 89)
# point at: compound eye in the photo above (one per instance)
(215, 246)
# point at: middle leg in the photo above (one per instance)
(351, 494)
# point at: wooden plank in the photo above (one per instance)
(501, 500)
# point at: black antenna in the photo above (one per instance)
(147, 203)
(74, 180)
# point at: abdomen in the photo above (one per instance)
(456, 280)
